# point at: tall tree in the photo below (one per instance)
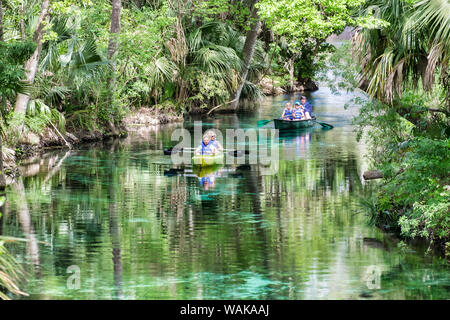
(31, 64)
(1, 21)
(247, 52)
(2, 177)
(112, 51)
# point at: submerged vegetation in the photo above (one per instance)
(68, 68)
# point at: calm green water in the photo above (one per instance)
(139, 229)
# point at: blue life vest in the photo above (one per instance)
(213, 143)
(298, 113)
(207, 150)
(308, 107)
(288, 113)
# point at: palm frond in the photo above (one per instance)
(10, 274)
(433, 15)
(217, 59)
(163, 70)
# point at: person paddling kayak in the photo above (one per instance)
(216, 144)
(205, 148)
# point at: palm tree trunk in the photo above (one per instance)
(32, 63)
(112, 50)
(247, 52)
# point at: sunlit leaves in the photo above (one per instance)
(302, 19)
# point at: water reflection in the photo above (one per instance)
(140, 228)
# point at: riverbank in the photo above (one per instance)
(31, 145)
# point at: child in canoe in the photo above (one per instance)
(299, 111)
(205, 148)
(288, 112)
(212, 140)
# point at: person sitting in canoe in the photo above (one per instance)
(205, 148)
(212, 141)
(287, 112)
(299, 112)
(307, 107)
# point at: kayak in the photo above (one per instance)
(207, 160)
(293, 124)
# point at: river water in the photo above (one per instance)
(128, 224)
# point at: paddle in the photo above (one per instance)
(231, 152)
(168, 152)
(324, 125)
(263, 122)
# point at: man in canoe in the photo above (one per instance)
(288, 112)
(307, 107)
(205, 148)
(212, 140)
(299, 112)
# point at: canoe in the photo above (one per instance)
(293, 125)
(207, 160)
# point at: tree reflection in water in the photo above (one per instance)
(136, 232)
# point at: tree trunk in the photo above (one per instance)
(22, 24)
(290, 68)
(247, 52)
(372, 174)
(32, 63)
(2, 176)
(112, 50)
(114, 30)
(1, 21)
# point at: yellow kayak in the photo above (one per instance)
(207, 160)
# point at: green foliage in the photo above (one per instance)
(421, 191)
(407, 132)
(10, 274)
(300, 20)
(12, 72)
(413, 45)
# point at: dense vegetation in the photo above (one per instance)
(404, 67)
(83, 65)
(92, 62)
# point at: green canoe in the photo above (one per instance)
(207, 160)
(293, 124)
